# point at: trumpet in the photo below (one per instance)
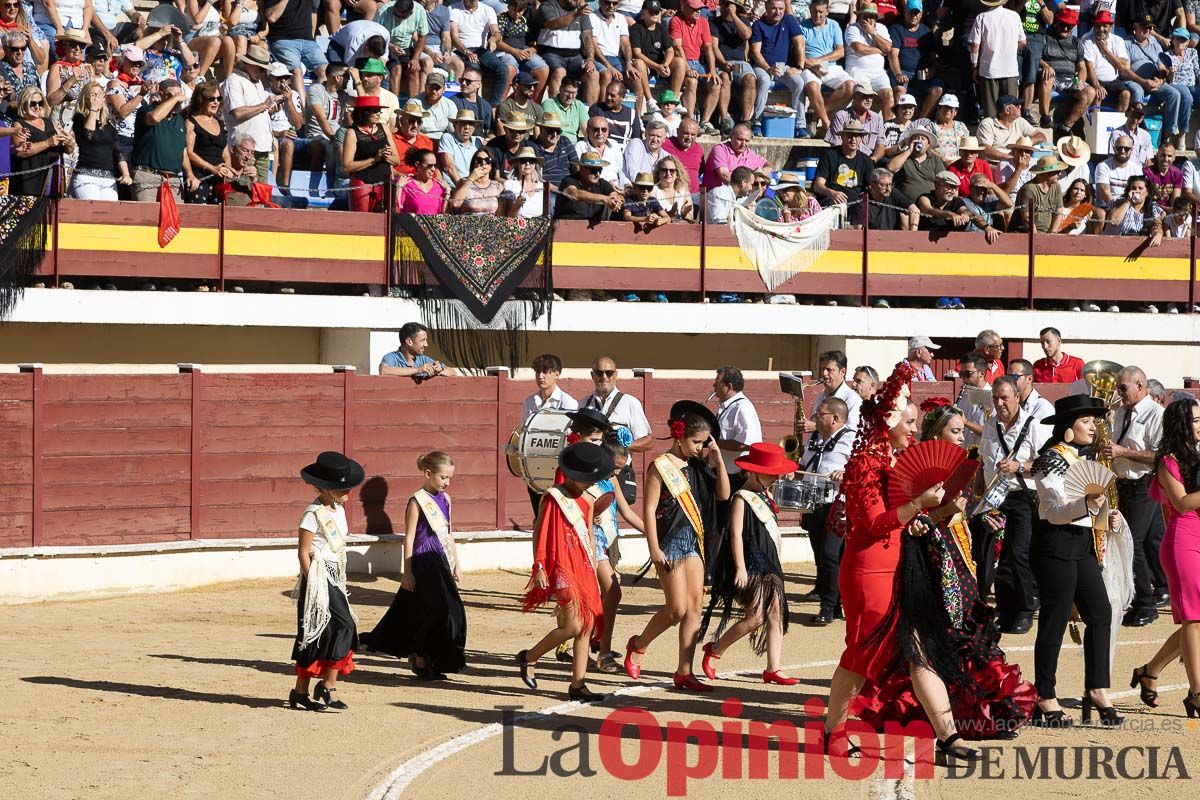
(1102, 377)
(793, 383)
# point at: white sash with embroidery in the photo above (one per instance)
(325, 563)
(766, 516)
(574, 515)
(437, 523)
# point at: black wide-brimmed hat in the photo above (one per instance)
(590, 416)
(586, 462)
(332, 470)
(682, 407)
(1070, 408)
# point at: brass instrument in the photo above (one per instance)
(1102, 377)
(793, 383)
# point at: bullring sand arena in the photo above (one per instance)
(182, 695)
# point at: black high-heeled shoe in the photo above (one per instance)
(325, 694)
(1191, 704)
(1149, 696)
(852, 750)
(1108, 716)
(1050, 719)
(298, 700)
(585, 695)
(526, 678)
(949, 750)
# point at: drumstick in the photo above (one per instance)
(813, 474)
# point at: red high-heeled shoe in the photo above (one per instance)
(631, 669)
(775, 677)
(689, 683)
(710, 671)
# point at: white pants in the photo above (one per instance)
(91, 187)
(878, 79)
(833, 78)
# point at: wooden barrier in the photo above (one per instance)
(125, 459)
(119, 240)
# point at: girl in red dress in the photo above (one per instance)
(564, 567)
(872, 559)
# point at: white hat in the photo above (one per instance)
(922, 341)
(277, 70)
(949, 101)
(907, 100)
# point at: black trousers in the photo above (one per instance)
(535, 500)
(827, 553)
(1158, 528)
(1016, 589)
(1143, 515)
(1062, 584)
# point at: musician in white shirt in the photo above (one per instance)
(1039, 408)
(1009, 446)
(740, 426)
(832, 365)
(620, 408)
(826, 454)
(546, 370)
(1136, 434)
(972, 370)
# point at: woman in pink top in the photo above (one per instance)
(422, 193)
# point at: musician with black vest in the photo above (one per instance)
(1137, 432)
(621, 409)
(827, 452)
(1009, 445)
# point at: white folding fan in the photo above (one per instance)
(1087, 477)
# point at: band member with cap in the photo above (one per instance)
(826, 455)
(1011, 441)
(832, 364)
(564, 566)
(683, 486)
(748, 570)
(326, 629)
(427, 621)
(1137, 433)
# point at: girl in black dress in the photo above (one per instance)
(326, 630)
(427, 620)
(747, 569)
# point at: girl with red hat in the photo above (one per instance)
(747, 569)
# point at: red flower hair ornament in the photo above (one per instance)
(678, 429)
(572, 438)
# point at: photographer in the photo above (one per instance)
(916, 163)
(249, 106)
(159, 143)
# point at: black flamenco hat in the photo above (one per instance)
(586, 462)
(332, 470)
(1070, 408)
(682, 407)
(592, 417)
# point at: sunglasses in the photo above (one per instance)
(427, 166)
(37, 104)
(552, 132)
(216, 99)
(668, 171)
(15, 48)
(479, 161)
(606, 373)
(11, 5)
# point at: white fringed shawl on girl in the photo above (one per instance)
(781, 250)
(327, 562)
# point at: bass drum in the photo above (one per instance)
(532, 450)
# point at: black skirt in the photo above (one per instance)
(336, 644)
(429, 621)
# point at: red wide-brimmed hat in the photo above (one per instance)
(368, 101)
(766, 458)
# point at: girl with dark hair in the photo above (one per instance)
(1177, 488)
(683, 486)
(943, 624)
(427, 621)
(368, 154)
(1067, 554)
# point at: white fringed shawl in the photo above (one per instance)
(781, 250)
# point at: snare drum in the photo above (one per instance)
(793, 495)
(532, 450)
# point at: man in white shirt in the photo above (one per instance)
(1009, 446)
(621, 409)
(995, 38)
(596, 139)
(1115, 171)
(1143, 145)
(737, 417)
(1038, 407)
(722, 199)
(972, 371)
(1107, 57)
(1136, 434)
(920, 357)
(826, 454)
(610, 32)
(248, 106)
(549, 396)
(867, 46)
(832, 365)
(473, 27)
(643, 155)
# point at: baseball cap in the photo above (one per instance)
(1102, 17)
(915, 5)
(436, 78)
(653, 6)
(1181, 33)
(1007, 100)
(1067, 16)
(949, 101)
(526, 79)
(132, 52)
(906, 100)
(372, 66)
(277, 70)
(924, 341)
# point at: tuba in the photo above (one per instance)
(1101, 377)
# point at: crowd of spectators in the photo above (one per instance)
(937, 115)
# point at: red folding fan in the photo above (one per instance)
(927, 463)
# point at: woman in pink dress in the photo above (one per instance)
(424, 192)
(1177, 488)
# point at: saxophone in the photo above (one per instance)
(793, 443)
(1101, 377)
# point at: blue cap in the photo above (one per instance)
(1181, 33)
(916, 5)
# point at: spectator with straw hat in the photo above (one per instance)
(969, 164)
(1043, 193)
(456, 147)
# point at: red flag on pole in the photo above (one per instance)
(168, 215)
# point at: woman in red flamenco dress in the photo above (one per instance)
(943, 623)
(871, 561)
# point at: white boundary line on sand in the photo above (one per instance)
(408, 771)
